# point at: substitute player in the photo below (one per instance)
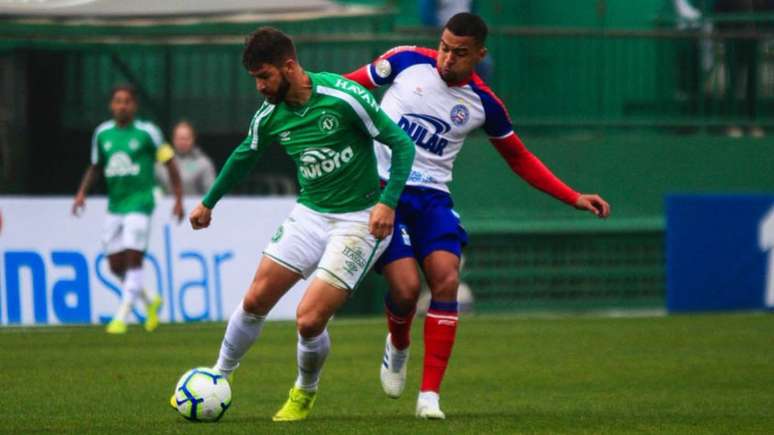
(436, 97)
(342, 221)
(125, 150)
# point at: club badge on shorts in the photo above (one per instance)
(278, 234)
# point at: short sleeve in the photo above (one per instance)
(386, 67)
(497, 123)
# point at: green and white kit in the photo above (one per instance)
(330, 139)
(127, 155)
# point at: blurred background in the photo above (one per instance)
(635, 100)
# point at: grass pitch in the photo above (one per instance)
(681, 374)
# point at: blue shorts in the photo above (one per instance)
(424, 222)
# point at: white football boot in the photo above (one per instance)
(428, 406)
(393, 369)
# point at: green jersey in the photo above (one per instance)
(330, 139)
(127, 155)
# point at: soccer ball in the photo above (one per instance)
(202, 394)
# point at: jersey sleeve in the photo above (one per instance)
(402, 159)
(164, 152)
(96, 151)
(157, 138)
(242, 159)
(531, 169)
(497, 122)
(386, 67)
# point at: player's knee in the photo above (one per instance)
(310, 324)
(444, 286)
(252, 303)
(405, 292)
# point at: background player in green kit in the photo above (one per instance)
(342, 221)
(125, 149)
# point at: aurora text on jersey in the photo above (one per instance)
(127, 154)
(330, 140)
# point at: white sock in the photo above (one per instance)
(134, 282)
(150, 294)
(310, 355)
(242, 330)
(126, 306)
(132, 289)
(429, 397)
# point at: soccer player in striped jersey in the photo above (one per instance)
(436, 97)
(343, 220)
(125, 150)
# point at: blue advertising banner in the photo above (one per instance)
(720, 252)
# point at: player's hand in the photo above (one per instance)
(593, 203)
(381, 221)
(79, 204)
(178, 210)
(200, 217)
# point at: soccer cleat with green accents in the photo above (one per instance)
(116, 326)
(152, 321)
(297, 407)
(173, 399)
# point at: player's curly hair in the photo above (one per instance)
(267, 45)
(467, 24)
(124, 87)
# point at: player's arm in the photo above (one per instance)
(537, 174)
(166, 154)
(500, 130)
(238, 165)
(90, 176)
(403, 150)
(362, 77)
(177, 188)
(383, 216)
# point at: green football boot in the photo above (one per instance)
(297, 407)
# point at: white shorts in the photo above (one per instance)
(337, 245)
(125, 231)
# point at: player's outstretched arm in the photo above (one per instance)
(238, 165)
(200, 217)
(533, 171)
(90, 176)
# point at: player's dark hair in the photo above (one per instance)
(467, 24)
(267, 45)
(129, 89)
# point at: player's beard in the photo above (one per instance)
(123, 118)
(282, 91)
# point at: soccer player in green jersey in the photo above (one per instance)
(125, 149)
(342, 221)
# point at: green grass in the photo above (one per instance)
(681, 374)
